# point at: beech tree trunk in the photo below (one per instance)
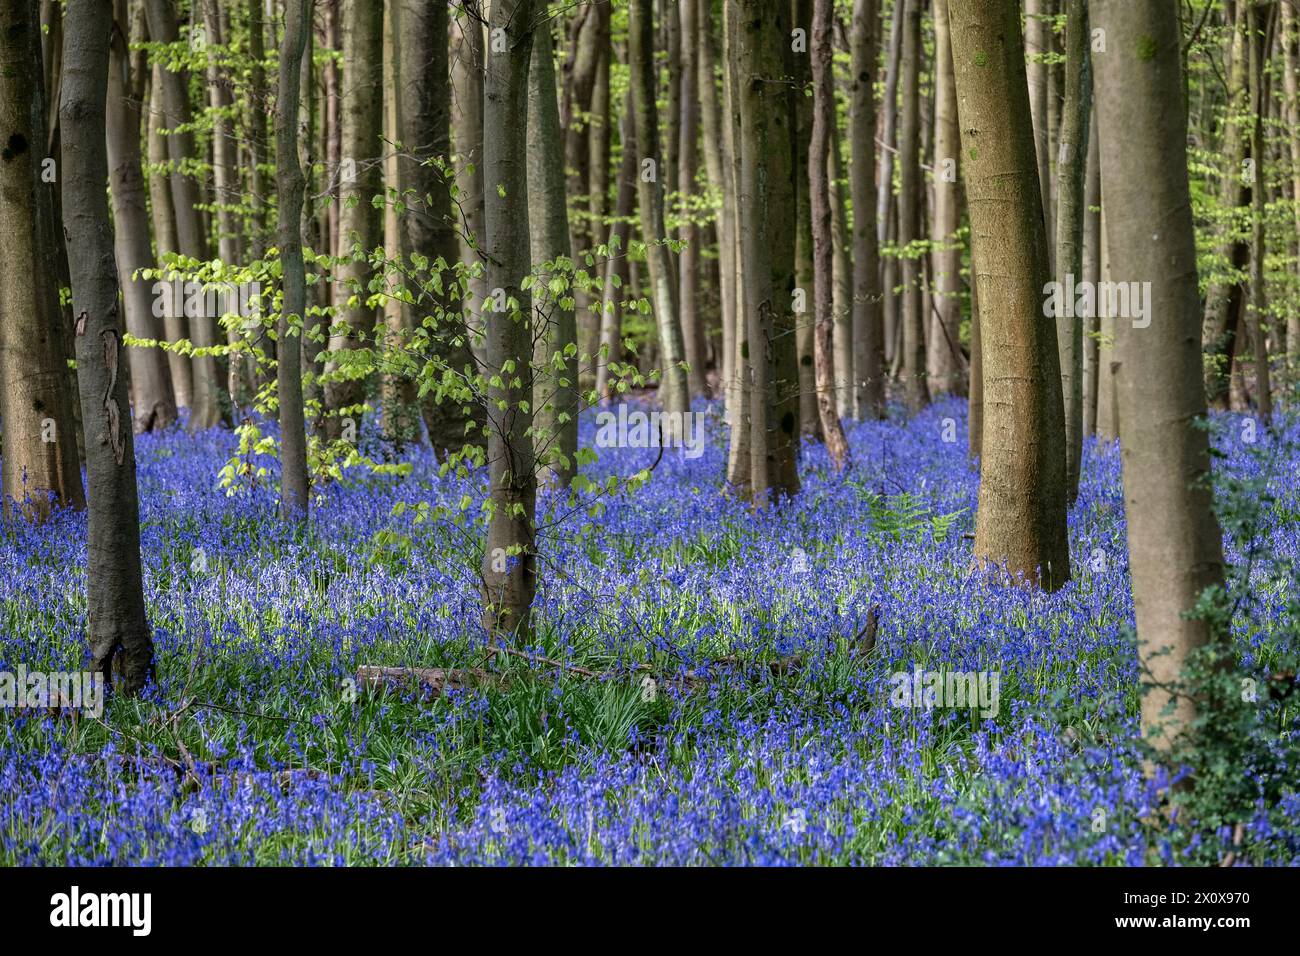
(944, 359)
(555, 333)
(40, 462)
(868, 334)
(115, 596)
(360, 226)
(1174, 541)
(819, 194)
(289, 191)
(674, 395)
(509, 559)
(1072, 161)
(909, 205)
(1022, 499)
(205, 396)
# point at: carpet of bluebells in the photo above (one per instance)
(255, 745)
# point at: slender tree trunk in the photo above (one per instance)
(151, 384)
(841, 279)
(1291, 88)
(819, 195)
(555, 375)
(360, 226)
(115, 597)
(1038, 40)
(40, 462)
(241, 368)
(718, 166)
(1072, 162)
(1091, 275)
(1175, 545)
(1223, 294)
(205, 397)
(687, 160)
(1260, 35)
(868, 331)
(164, 232)
(1022, 499)
(509, 560)
(674, 394)
(781, 221)
(616, 266)
(257, 135)
(909, 202)
(467, 132)
(738, 397)
(944, 359)
(289, 191)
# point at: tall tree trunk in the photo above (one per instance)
(1038, 41)
(841, 278)
(289, 191)
(257, 135)
(509, 559)
(205, 397)
(819, 194)
(467, 133)
(360, 226)
(1091, 276)
(1260, 41)
(151, 385)
(555, 374)
(809, 416)
(241, 367)
(1291, 89)
(718, 166)
(428, 230)
(115, 596)
(40, 462)
(1175, 545)
(944, 361)
(1072, 161)
(1224, 294)
(909, 203)
(687, 159)
(164, 233)
(616, 266)
(1022, 501)
(738, 396)
(868, 334)
(674, 395)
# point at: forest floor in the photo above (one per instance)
(256, 745)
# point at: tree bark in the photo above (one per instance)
(820, 198)
(555, 373)
(1260, 36)
(674, 394)
(1091, 275)
(687, 159)
(40, 464)
(290, 187)
(1223, 295)
(1071, 167)
(868, 334)
(509, 560)
(115, 597)
(909, 203)
(361, 179)
(205, 396)
(1021, 519)
(1174, 541)
(944, 359)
